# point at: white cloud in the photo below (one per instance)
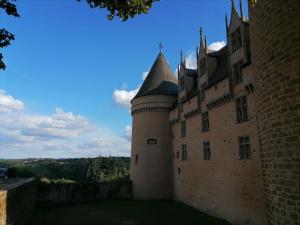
(128, 131)
(215, 46)
(145, 74)
(8, 103)
(62, 134)
(191, 61)
(123, 97)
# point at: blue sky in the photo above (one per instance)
(71, 72)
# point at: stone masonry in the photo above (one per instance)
(275, 45)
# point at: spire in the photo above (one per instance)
(205, 45)
(201, 38)
(160, 80)
(197, 51)
(241, 10)
(160, 47)
(226, 21)
(181, 57)
(233, 8)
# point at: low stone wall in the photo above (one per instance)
(17, 201)
(82, 192)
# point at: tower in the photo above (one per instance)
(151, 159)
(274, 32)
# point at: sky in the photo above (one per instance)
(71, 73)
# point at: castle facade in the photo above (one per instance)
(195, 138)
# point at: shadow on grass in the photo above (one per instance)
(123, 213)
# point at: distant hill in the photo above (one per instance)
(70, 170)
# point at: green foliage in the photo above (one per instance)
(6, 37)
(71, 170)
(123, 9)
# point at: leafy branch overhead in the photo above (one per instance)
(124, 9)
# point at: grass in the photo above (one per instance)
(123, 213)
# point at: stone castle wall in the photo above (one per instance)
(82, 192)
(151, 163)
(275, 41)
(224, 186)
(17, 201)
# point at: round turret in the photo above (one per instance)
(151, 162)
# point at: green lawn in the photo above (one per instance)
(123, 213)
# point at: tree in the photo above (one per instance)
(124, 9)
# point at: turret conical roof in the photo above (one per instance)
(160, 80)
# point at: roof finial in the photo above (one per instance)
(181, 57)
(241, 10)
(201, 38)
(233, 6)
(226, 21)
(160, 47)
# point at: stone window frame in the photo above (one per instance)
(183, 128)
(184, 152)
(237, 72)
(244, 147)
(241, 105)
(236, 39)
(205, 121)
(206, 150)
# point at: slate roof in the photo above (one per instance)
(222, 66)
(191, 72)
(160, 80)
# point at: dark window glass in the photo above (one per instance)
(178, 170)
(177, 155)
(136, 159)
(206, 150)
(237, 72)
(152, 141)
(241, 109)
(183, 153)
(244, 147)
(205, 122)
(183, 129)
(236, 40)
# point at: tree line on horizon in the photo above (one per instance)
(98, 169)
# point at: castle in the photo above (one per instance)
(199, 139)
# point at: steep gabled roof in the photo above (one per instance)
(160, 80)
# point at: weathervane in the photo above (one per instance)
(160, 47)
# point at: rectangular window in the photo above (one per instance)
(236, 40)
(205, 122)
(206, 150)
(183, 153)
(136, 159)
(241, 109)
(177, 155)
(183, 129)
(151, 141)
(244, 147)
(178, 170)
(238, 37)
(237, 72)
